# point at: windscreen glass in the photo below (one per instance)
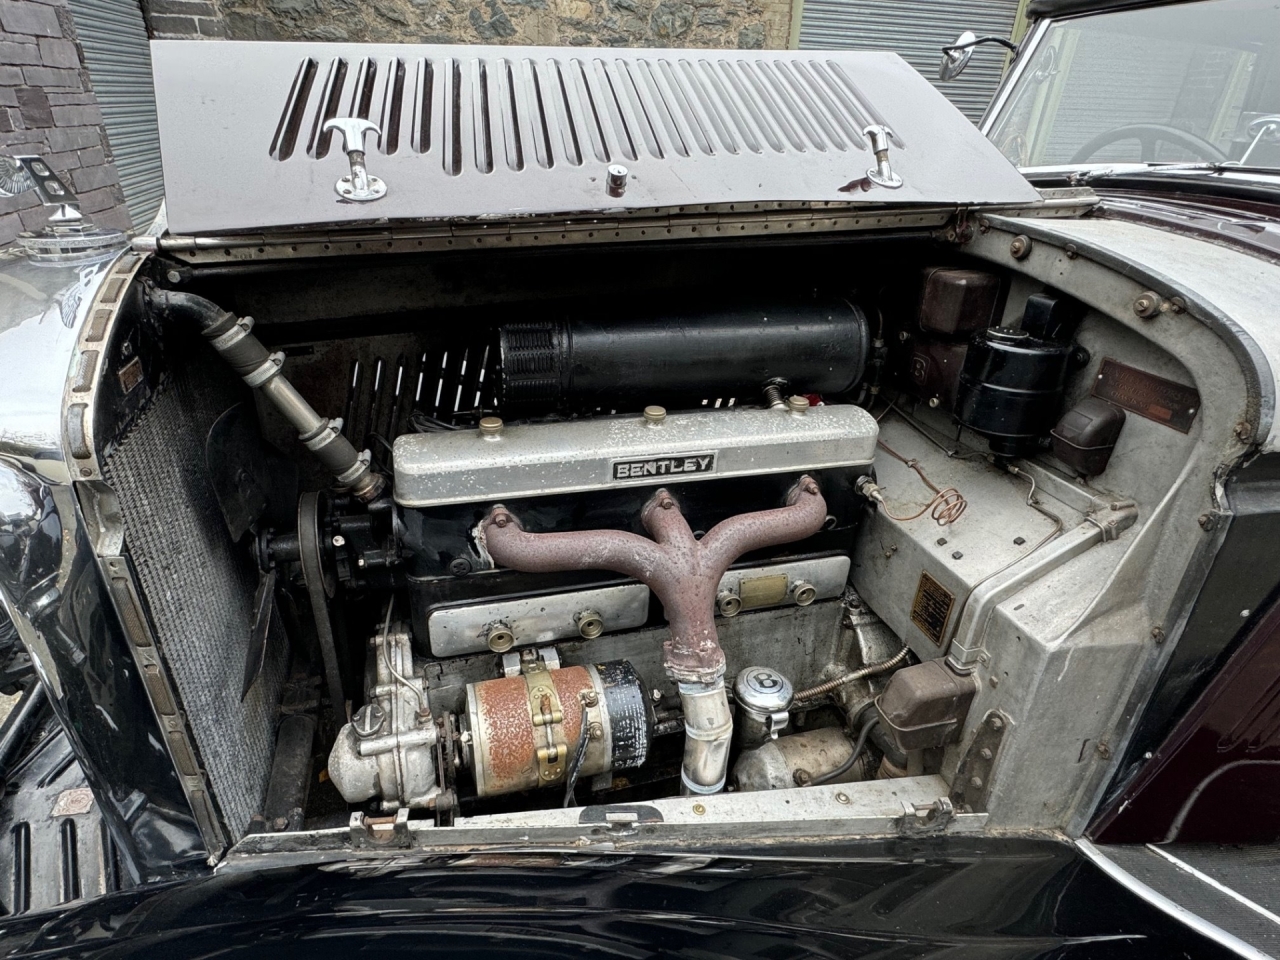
(1184, 83)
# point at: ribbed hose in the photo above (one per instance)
(869, 670)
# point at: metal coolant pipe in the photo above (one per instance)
(231, 336)
(684, 573)
(708, 731)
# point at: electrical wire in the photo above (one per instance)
(920, 429)
(423, 422)
(869, 670)
(845, 767)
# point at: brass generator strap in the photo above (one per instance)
(548, 723)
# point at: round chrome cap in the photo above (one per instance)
(763, 690)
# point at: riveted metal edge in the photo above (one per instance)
(165, 704)
(88, 365)
(701, 221)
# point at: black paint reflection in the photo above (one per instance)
(944, 898)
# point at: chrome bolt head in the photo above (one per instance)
(616, 181)
(1147, 305)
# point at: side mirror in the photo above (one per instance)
(956, 57)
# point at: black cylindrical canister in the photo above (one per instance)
(683, 354)
(1011, 388)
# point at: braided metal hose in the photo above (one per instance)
(869, 670)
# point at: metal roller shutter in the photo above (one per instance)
(118, 55)
(917, 31)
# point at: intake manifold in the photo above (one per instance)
(684, 572)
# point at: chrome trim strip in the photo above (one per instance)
(162, 692)
(1217, 885)
(1167, 906)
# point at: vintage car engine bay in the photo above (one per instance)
(595, 550)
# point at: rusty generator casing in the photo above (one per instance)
(526, 731)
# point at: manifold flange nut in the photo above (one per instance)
(728, 603)
(590, 624)
(500, 638)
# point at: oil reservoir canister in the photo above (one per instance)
(1011, 388)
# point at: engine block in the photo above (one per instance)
(598, 474)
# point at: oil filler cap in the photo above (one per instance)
(763, 690)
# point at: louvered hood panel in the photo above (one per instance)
(510, 131)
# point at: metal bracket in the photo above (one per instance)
(882, 173)
(359, 186)
(972, 783)
(619, 820)
(921, 819)
(1265, 129)
(381, 832)
(777, 722)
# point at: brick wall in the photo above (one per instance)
(47, 107)
(749, 24)
(184, 19)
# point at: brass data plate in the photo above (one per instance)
(1164, 401)
(932, 608)
(130, 375)
(763, 591)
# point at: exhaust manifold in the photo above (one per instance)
(684, 573)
